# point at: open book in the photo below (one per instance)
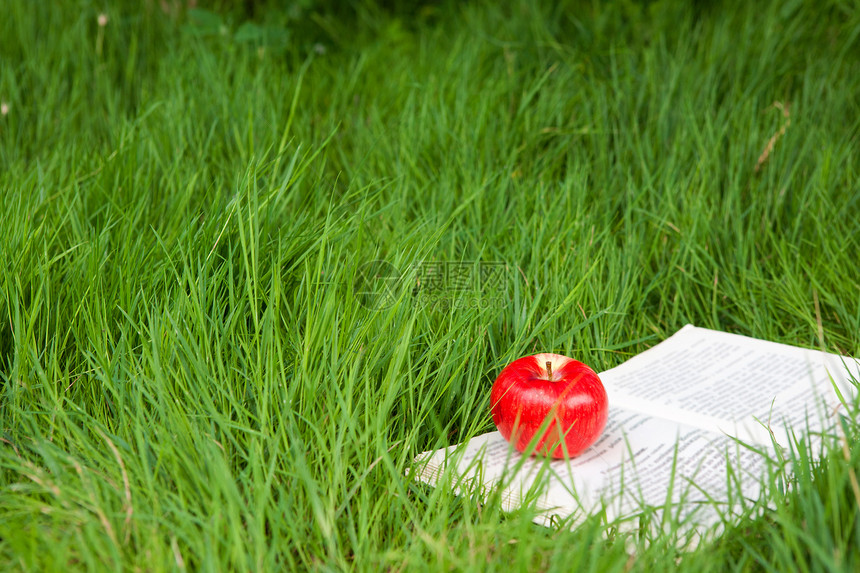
(685, 419)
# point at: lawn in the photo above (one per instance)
(197, 370)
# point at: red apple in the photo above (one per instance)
(555, 392)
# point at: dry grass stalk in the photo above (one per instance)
(762, 159)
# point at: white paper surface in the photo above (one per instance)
(673, 410)
(733, 384)
(643, 457)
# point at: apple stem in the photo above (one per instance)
(549, 369)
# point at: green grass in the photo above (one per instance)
(188, 378)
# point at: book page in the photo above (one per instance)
(733, 384)
(637, 462)
(668, 442)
